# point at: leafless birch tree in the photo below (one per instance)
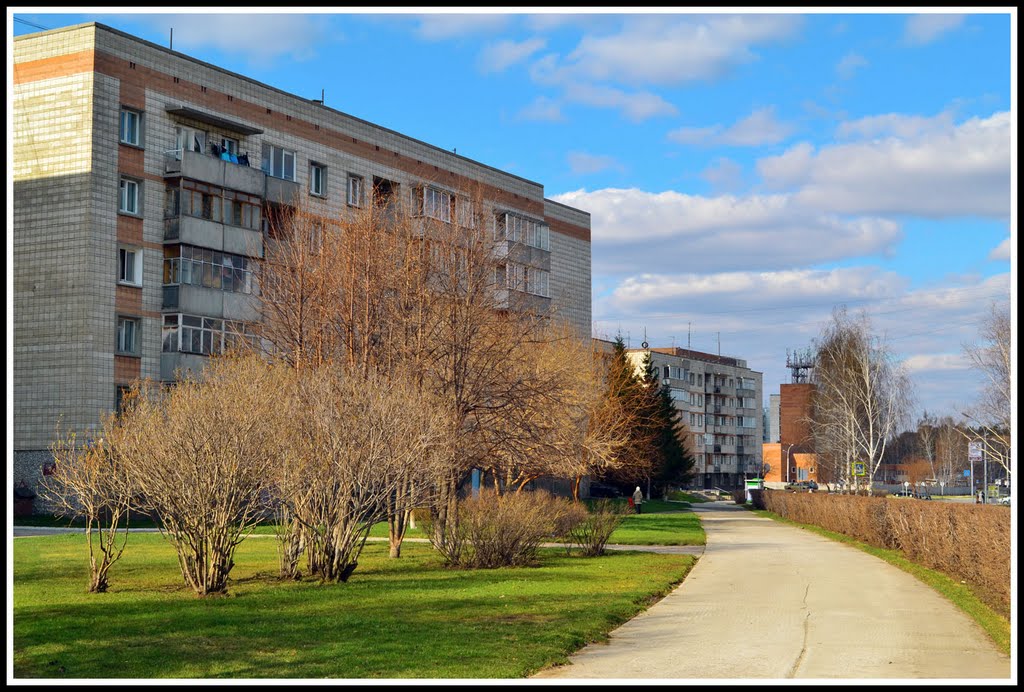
(991, 355)
(862, 394)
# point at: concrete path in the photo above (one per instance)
(768, 600)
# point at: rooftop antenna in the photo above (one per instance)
(321, 101)
(645, 345)
(800, 364)
(719, 344)
(171, 46)
(687, 336)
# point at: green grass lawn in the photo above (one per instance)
(963, 597)
(404, 618)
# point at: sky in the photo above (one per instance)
(745, 173)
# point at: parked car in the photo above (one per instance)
(604, 490)
(919, 494)
(1004, 500)
(806, 486)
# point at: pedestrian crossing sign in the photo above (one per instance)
(860, 468)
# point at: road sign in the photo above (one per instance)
(967, 473)
(860, 468)
(975, 451)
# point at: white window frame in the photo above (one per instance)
(285, 157)
(134, 278)
(124, 132)
(434, 203)
(317, 179)
(128, 201)
(354, 190)
(229, 144)
(123, 335)
(190, 139)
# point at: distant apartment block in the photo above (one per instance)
(143, 181)
(720, 401)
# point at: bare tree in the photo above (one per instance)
(991, 414)
(862, 393)
(201, 453)
(89, 480)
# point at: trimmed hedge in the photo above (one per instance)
(968, 542)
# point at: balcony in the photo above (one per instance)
(191, 230)
(214, 171)
(197, 300)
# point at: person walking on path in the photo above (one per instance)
(638, 498)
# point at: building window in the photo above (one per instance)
(129, 203)
(433, 203)
(193, 266)
(129, 266)
(229, 145)
(520, 229)
(465, 212)
(120, 395)
(128, 336)
(201, 335)
(278, 162)
(131, 127)
(190, 139)
(354, 196)
(317, 179)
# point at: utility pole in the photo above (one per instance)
(984, 466)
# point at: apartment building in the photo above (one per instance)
(143, 180)
(720, 401)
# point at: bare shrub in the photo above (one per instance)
(355, 444)
(201, 453)
(89, 481)
(506, 530)
(592, 534)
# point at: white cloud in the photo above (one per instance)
(757, 289)
(636, 106)
(788, 168)
(758, 128)
(724, 175)
(636, 231)
(665, 49)
(896, 125)
(437, 27)
(925, 28)
(936, 362)
(694, 135)
(542, 108)
(1001, 251)
(941, 172)
(582, 163)
(265, 38)
(849, 65)
(499, 56)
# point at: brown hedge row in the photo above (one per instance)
(968, 542)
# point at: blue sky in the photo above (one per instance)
(745, 172)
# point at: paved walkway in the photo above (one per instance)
(767, 600)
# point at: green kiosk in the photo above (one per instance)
(752, 484)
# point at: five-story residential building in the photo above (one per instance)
(143, 182)
(719, 399)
